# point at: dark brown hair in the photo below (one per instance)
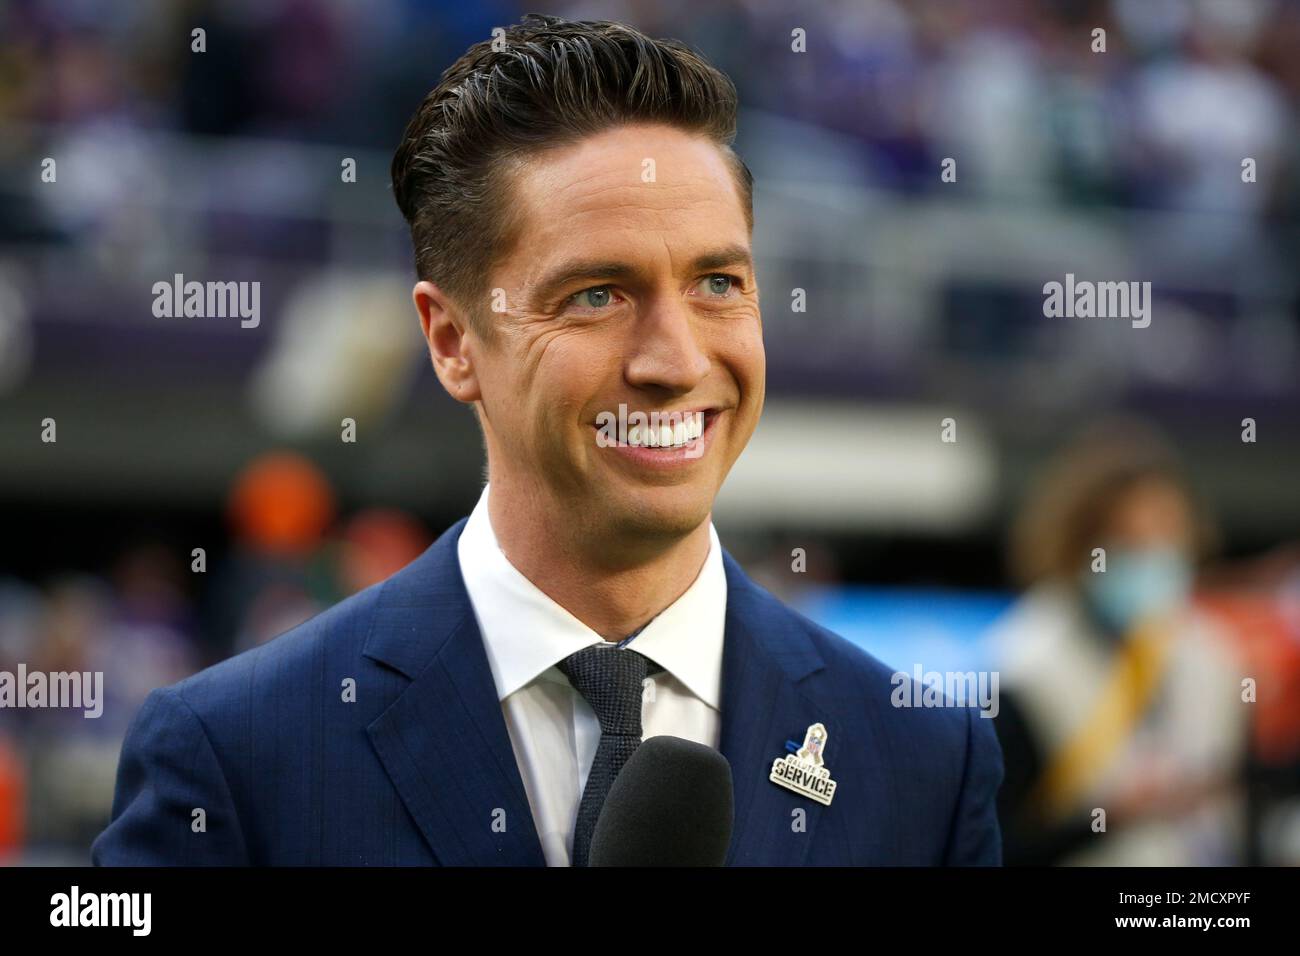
(547, 83)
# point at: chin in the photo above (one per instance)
(661, 512)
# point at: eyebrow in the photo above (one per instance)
(572, 271)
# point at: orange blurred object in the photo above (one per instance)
(282, 504)
(377, 543)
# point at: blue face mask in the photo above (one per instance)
(1137, 583)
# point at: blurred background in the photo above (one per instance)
(924, 302)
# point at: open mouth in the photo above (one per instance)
(662, 432)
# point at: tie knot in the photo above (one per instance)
(611, 680)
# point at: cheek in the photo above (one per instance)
(742, 351)
(565, 388)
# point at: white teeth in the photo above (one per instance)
(685, 429)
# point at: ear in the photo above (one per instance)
(449, 339)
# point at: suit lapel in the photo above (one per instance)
(763, 707)
(443, 741)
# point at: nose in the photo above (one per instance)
(665, 352)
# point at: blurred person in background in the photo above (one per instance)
(1117, 693)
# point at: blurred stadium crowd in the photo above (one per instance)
(926, 296)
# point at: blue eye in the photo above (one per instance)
(597, 297)
(720, 284)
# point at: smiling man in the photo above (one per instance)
(623, 289)
(582, 234)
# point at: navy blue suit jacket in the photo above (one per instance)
(418, 768)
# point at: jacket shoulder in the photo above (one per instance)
(281, 664)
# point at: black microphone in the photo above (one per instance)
(670, 805)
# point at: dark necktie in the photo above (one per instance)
(610, 679)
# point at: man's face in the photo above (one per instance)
(623, 291)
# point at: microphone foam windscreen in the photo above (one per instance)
(671, 805)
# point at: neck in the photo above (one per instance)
(612, 591)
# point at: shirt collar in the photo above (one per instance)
(685, 638)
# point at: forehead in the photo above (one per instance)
(625, 191)
(1150, 508)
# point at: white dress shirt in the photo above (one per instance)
(553, 730)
